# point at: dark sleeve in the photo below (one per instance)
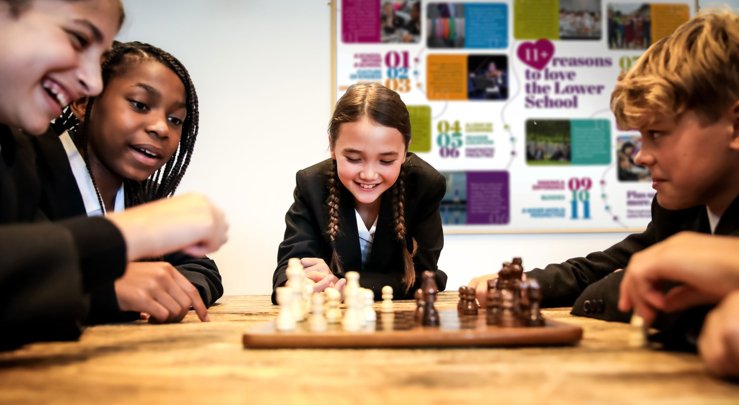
(428, 231)
(46, 270)
(202, 273)
(302, 236)
(561, 284)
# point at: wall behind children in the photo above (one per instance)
(262, 69)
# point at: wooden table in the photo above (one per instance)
(202, 363)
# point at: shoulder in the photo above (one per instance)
(314, 177)
(421, 174)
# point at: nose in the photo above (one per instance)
(644, 157)
(367, 173)
(90, 77)
(157, 126)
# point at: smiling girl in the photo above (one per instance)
(373, 207)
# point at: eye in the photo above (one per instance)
(176, 121)
(79, 40)
(387, 162)
(352, 159)
(138, 106)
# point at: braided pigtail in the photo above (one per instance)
(409, 276)
(333, 218)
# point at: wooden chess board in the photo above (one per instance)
(398, 329)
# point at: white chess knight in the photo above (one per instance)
(286, 319)
(387, 299)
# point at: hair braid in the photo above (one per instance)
(333, 218)
(409, 276)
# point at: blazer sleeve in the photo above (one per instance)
(46, 270)
(302, 233)
(202, 273)
(562, 283)
(428, 231)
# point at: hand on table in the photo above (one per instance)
(317, 270)
(718, 343)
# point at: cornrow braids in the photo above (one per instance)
(163, 182)
(409, 276)
(333, 218)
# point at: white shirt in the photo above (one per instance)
(84, 181)
(366, 237)
(712, 219)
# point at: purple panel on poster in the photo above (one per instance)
(360, 21)
(488, 198)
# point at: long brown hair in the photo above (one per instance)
(384, 107)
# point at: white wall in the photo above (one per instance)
(262, 70)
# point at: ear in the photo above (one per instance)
(331, 148)
(78, 108)
(734, 113)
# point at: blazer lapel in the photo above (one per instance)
(384, 243)
(729, 222)
(347, 242)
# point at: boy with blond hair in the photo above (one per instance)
(683, 96)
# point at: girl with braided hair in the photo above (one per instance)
(130, 145)
(373, 207)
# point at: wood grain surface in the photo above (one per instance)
(199, 363)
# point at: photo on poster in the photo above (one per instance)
(547, 142)
(580, 19)
(487, 77)
(400, 21)
(627, 146)
(629, 26)
(445, 25)
(454, 204)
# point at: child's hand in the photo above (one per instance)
(718, 343)
(190, 223)
(315, 268)
(158, 289)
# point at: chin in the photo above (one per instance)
(674, 204)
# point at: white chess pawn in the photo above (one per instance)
(317, 321)
(387, 299)
(333, 299)
(369, 312)
(353, 316)
(295, 281)
(286, 319)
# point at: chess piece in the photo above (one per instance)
(370, 316)
(286, 319)
(470, 307)
(317, 321)
(534, 297)
(333, 312)
(430, 314)
(295, 281)
(420, 305)
(387, 299)
(353, 316)
(525, 302)
(462, 299)
(493, 310)
(504, 276)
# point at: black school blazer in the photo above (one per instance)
(307, 220)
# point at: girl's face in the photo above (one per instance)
(136, 123)
(368, 159)
(50, 57)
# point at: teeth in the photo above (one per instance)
(56, 91)
(147, 153)
(367, 186)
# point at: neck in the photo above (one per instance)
(729, 192)
(105, 180)
(368, 212)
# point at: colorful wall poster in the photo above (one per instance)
(510, 101)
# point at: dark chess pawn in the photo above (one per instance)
(504, 277)
(470, 307)
(516, 270)
(420, 304)
(462, 297)
(533, 293)
(429, 288)
(525, 302)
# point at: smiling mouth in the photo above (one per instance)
(367, 186)
(56, 92)
(146, 152)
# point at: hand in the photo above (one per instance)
(718, 343)
(317, 270)
(707, 265)
(158, 289)
(190, 223)
(480, 284)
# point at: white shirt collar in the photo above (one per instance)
(366, 236)
(84, 181)
(713, 219)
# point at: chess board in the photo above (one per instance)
(399, 329)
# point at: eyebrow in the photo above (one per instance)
(157, 93)
(351, 150)
(95, 31)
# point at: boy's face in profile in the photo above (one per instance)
(693, 164)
